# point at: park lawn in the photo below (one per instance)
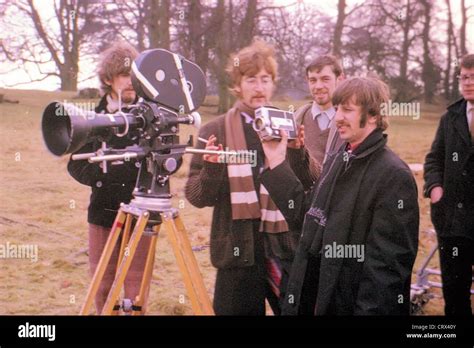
(42, 205)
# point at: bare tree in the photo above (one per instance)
(337, 39)
(462, 30)
(75, 20)
(449, 43)
(430, 72)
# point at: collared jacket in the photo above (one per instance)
(371, 201)
(110, 189)
(450, 164)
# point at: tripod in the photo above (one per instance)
(150, 214)
(149, 209)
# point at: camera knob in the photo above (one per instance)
(170, 164)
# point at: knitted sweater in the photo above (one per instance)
(233, 241)
(315, 139)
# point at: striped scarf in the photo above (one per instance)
(243, 196)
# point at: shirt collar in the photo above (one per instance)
(247, 118)
(316, 110)
(469, 107)
(113, 105)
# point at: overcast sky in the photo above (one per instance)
(8, 78)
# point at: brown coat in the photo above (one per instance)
(232, 241)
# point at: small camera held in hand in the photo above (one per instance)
(270, 121)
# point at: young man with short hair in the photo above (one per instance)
(449, 183)
(360, 221)
(323, 75)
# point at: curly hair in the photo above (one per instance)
(249, 61)
(114, 61)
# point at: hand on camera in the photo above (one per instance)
(275, 150)
(297, 143)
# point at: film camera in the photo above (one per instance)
(269, 121)
(170, 88)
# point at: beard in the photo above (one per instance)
(322, 99)
(128, 96)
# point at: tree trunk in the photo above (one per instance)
(462, 34)
(406, 43)
(247, 27)
(222, 54)
(447, 72)
(158, 23)
(429, 72)
(337, 39)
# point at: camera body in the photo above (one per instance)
(270, 121)
(170, 90)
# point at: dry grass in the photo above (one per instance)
(42, 205)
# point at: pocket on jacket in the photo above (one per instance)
(232, 247)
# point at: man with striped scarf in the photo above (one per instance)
(251, 244)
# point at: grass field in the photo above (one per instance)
(42, 205)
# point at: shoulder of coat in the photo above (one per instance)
(301, 111)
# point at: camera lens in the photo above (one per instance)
(259, 124)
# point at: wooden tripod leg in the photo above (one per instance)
(123, 245)
(188, 266)
(203, 296)
(103, 262)
(125, 264)
(142, 297)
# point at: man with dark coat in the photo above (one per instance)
(360, 221)
(449, 182)
(116, 186)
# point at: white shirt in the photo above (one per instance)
(325, 117)
(113, 105)
(469, 112)
(247, 117)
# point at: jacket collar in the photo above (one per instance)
(372, 143)
(458, 106)
(102, 107)
(102, 104)
(459, 119)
